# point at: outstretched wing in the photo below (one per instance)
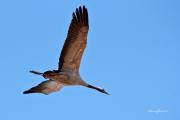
(46, 87)
(75, 42)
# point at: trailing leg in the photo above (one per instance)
(35, 72)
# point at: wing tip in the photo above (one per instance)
(81, 15)
(27, 92)
(32, 90)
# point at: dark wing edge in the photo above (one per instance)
(45, 87)
(75, 42)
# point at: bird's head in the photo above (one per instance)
(98, 89)
(103, 91)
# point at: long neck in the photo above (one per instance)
(93, 87)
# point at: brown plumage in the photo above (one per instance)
(70, 58)
(76, 40)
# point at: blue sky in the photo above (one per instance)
(132, 52)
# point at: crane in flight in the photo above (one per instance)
(69, 60)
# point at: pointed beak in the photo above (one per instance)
(98, 89)
(103, 91)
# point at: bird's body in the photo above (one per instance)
(56, 81)
(67, 78)
(70, 58)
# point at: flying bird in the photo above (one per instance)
(69, 60)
